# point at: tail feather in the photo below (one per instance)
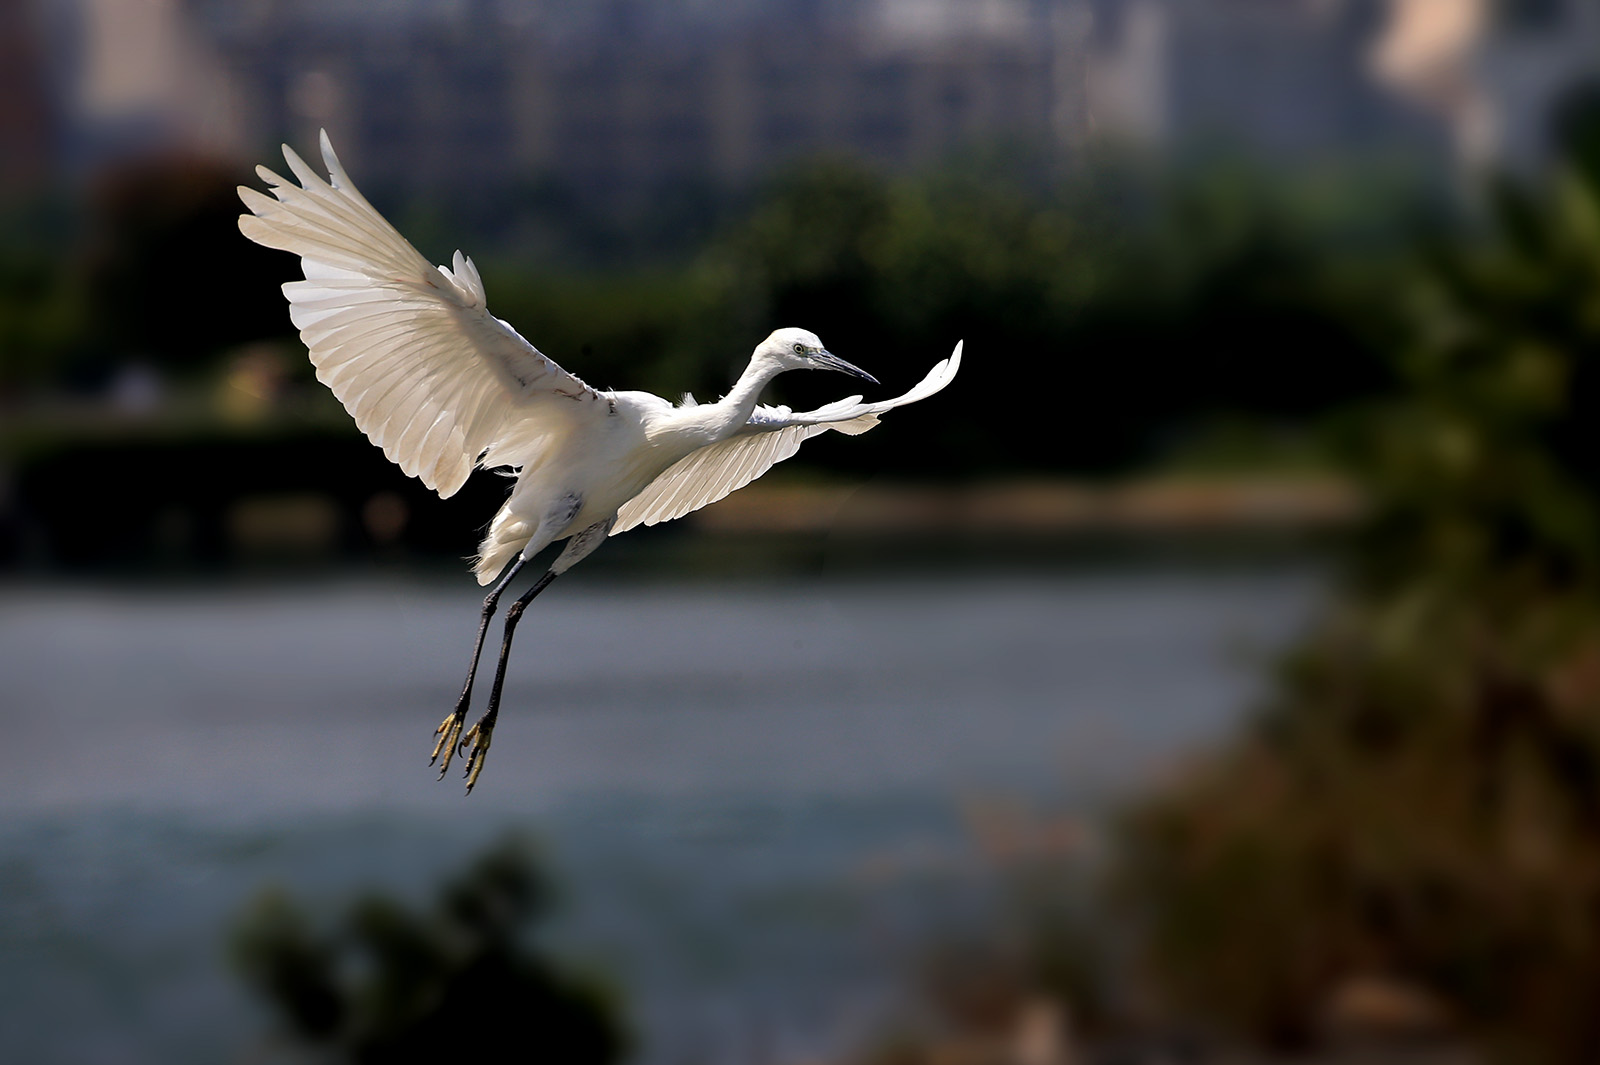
(507, 535)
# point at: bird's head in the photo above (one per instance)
(799, 349)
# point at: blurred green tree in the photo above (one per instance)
(387, 986)
(1420, 799)
(168, 278)
(1108, 324)
(41, 318)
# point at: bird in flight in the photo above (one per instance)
(443, 386)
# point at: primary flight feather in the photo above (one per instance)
(443, 386)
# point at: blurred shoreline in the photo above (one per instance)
(1158, 503)
(781, 529)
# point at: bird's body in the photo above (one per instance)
(443, 386)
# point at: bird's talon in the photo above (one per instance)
(478, 737)
(449, 729)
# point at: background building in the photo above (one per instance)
(615, 99)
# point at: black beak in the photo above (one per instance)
(827, 360)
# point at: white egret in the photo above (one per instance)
(443, 386)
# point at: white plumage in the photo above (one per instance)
(443, 386)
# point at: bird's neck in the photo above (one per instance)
(734, 409)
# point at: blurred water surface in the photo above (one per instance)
(752, 795)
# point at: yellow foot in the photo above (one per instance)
(477, 738)
(449, 732)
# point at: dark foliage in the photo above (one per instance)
(169, 279)
(387, 986)
(1421, 798)
(1100, 333)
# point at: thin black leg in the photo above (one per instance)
(479, 735)
(449, 730)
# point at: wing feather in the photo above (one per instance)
(771, 435)
(410, 349)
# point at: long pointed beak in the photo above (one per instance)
(827, 360)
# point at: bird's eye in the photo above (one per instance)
(799, 349)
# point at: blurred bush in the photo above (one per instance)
(386, 985)
(1420, 801)
(41, 315)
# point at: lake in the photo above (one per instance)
(758, 799)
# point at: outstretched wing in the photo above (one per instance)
(411, 351)
(771, 435)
